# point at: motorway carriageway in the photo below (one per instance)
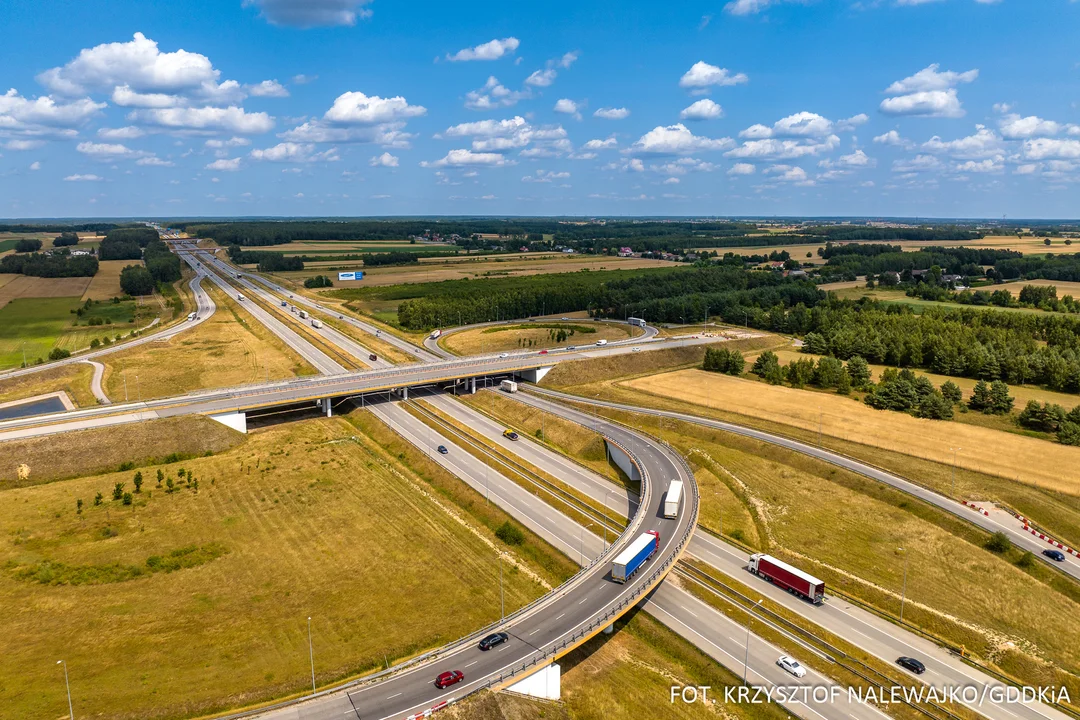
(712, 632)
(557, 623)
(345, 343)
(862, 628)
(1024, 540)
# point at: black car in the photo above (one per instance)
(911, 664)
(494, 639)
(442, 450)
(1054, 555)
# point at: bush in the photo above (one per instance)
(58, 354)
(128, 498)
(1069, 433)
(137, 280)
(118, 491)
(319, 281)
(510, 534)
(1044, 417)
(998, 543)
(951, 392)
(66, 239)
(27, 245)
(1027, 560)
(724, 361)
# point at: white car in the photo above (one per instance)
(637, 349)
(504, 355)
(791, 665)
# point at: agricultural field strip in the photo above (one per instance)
(586, 602)
(707, 629)
(299, 299)
(860, 627)
(1022, 539)
(205, 307)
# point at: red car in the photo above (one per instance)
(447, 679)
(543, 352)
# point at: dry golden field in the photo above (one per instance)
(484, 266)
(74, 379)
(303, 520)
(106, 284)
(1064, 287)
(24, 286)
(510, 337)
(1029, 460)
(1022, 393)
(228, 349)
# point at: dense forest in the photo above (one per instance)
(667, 295)
(991, 345)
(50, 266)
(58, 228)
(873, 259)
(126, 243)
(920, 234)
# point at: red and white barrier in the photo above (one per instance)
(1051, 541)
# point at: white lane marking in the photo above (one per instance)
(689, 610)
(394, 696)
(534, 632)
(560, 617)
(583, 599)
(470, 664)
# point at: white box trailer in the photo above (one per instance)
(634, 556)
(316, 323)
(671, 500)
(303, 314)
(508, 386)
(639, 322)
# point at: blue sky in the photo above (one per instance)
(933, 108)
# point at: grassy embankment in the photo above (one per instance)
(533, 336)
(73, 379)
(310, 519)
(847, 529)
(228, 349)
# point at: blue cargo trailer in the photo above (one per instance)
(633, 557)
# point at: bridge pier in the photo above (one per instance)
(536, 374)
(621, 458)
(472, 386)
(544, 684)
(235, 420)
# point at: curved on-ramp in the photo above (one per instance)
(432, 343)
(542, 631)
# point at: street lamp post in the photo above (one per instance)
(67, 686)
(581, 545)
(903, 592)
(502, 595)
(311, 655)
(746, 655)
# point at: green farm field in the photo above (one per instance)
(33, 325)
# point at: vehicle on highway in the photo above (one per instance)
(634, 556)
(442, 450)
(910, 663)
(1054, 555)
(788, 577)
(791, 665)
(316, 323)
(303, 315)
(504, 355)
(601, 342)
(565, 318)
(543, 352)
(284, 303)
(449, 678)
(510, 434)
(240, 296)
(671, 499)
(639, 322)
(191, 316)
(572, 347)
(492, 640)
(373, 357)
(508, 386)
(637, 349)
(435, 334)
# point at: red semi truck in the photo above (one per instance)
(789, 578)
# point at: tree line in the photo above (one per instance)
(50, 266)
(266, 261)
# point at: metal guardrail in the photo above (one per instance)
(555, 649)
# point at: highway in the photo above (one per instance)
(299, 299)
(347, 344)
(699, 623)
(204, 308)
(872, 633)
(1071, 566)
(555, 624)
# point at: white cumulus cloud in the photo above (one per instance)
(619, 113)
(491, 50)
(384, 160)
(468, 158)
(929, 93)
(704, 109)
(225, 165)
(676, 139)
(230, 119)
(292, 152)
(542, 78)
(701, 76)
(268, 88)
